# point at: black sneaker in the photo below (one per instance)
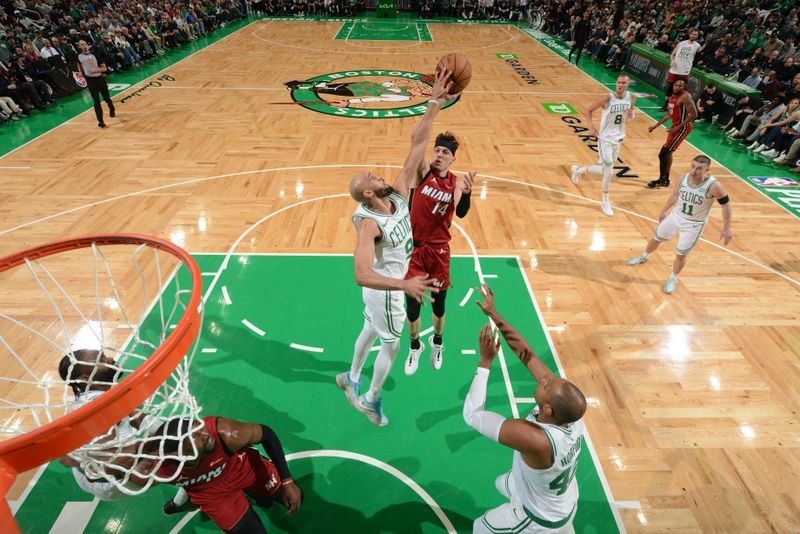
(171, 508)
(292, 85)
(112, 112)
(655, 184)
(101, 124)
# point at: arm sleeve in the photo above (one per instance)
(463, 205)
(273, 448)
(487, 423)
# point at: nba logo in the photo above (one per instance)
(772, 181)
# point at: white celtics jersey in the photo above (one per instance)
(694, 202)
(551, 494)
(612, 122)
(393, 250)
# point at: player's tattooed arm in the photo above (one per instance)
(515, 340)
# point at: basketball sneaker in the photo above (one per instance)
(349, 387)
(605, 207)
(436, 354)
(373, 410)
(641, 258)
(412, 362)
(655, 184)
(171, 508)
(670, 285)
(576, 174)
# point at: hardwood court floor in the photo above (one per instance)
(695, 395)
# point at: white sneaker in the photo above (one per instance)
(636, 260)
(771, 153)
(670, 285)
(576, 174)
(733, 132)
(754, 146)
(605, 207)
(760, 148)
(412, 361)
(436, 354)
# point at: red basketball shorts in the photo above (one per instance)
(433, 260)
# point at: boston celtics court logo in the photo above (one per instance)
(366, 94)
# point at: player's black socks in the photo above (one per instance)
(415, 343)
(437, 339)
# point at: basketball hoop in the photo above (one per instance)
(150, 353)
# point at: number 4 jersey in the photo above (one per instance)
(551, 494)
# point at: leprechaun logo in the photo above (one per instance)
(366, 94)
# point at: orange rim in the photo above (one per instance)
(77, 428)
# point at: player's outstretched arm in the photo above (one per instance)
(237, 435)
(518, 344)
(517, 434)
(422, 133)
(364, 258)
(718, 192)
(661, 121)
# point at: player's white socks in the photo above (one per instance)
(181, 497)
(605, 197)
(673, 276)
(383, 364)
(364, 342)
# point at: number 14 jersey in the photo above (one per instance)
(432, 208)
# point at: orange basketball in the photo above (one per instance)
(460, 70)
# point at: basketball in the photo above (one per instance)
(460, 70)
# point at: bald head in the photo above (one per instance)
(357, 186)
(568, 402)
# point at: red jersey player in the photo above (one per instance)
(228, 470)
(682, 112)
(437, 195)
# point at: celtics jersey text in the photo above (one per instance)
(612, 122)
(393, 250)
(694, 202)
(551, 494)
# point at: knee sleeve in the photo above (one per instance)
(438, 303)
(412, 308)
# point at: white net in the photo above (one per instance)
(74, 324)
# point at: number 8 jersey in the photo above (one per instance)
(612, 121)
(551, 494)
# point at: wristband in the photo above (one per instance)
(287, 481)
(433, 101)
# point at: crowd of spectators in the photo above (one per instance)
(753, 42)
(39, 41)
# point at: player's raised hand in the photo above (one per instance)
(487, 344)
(726, 235)
(441, 85)
(469, 179)
(292, 497)
(487, 306)
(417, 286)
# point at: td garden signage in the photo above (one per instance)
(365, 94)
